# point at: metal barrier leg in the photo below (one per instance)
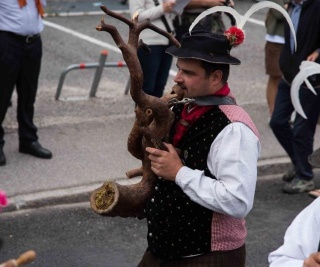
(96, 80)
(65, 72)
(63, 76)
(59, 88)
(97, 76)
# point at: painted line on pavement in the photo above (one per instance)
(82, 36)
(82, 13)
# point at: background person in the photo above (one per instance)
(213, 23)
(274, 43)
(301, 240)
(156, 64)
(297, 139)
(20, 63)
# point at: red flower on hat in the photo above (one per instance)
(235, 35)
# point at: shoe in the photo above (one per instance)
(289, 175)
(298, 186)
(35, 149)
(2, 157)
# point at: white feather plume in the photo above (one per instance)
(241, 20)
(307, 68)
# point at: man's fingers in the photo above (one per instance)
(155, 155)
(153, 158)
(159, 152)
(153, 151)
(170, 148)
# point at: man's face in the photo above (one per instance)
(192, 79)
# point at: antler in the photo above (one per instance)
(152, 124)
(129, 49)
(307, 68)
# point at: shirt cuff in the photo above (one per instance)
(181, 173)
(186, 175)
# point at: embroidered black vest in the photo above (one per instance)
(177, 226)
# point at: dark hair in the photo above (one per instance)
(211, 67)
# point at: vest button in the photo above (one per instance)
(185, 154)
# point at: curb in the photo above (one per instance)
(266, 169)
(273, 166)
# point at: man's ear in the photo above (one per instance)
(216, 77)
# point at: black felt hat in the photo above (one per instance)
(206, 46)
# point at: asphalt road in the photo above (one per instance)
(73, 235)
(88, 136)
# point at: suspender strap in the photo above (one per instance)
(163, 18)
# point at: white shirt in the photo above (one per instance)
(275, 39)
(233, 161)
(22, 21)
(148, 10)
(301, 238)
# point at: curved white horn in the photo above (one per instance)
(307, 68)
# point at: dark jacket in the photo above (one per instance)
(308, 40)
(275, 20)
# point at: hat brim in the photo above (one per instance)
(194, 54)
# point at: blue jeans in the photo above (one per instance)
(155, 67)
(297, 139)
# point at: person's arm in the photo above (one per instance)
(314, 56)
(278, 15)
(155, 12)
(232, 160)
(207, 3)
(300, 240)
(313, 260)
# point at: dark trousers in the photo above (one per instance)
(297, 139)
(232, 258)
(155, 67)
(20, 64)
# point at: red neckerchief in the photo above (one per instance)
(194, 113)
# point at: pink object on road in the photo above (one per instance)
(3, 199)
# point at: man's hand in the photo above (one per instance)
(313, 57)
(313, 260)
(163, 163)
(168, 6)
